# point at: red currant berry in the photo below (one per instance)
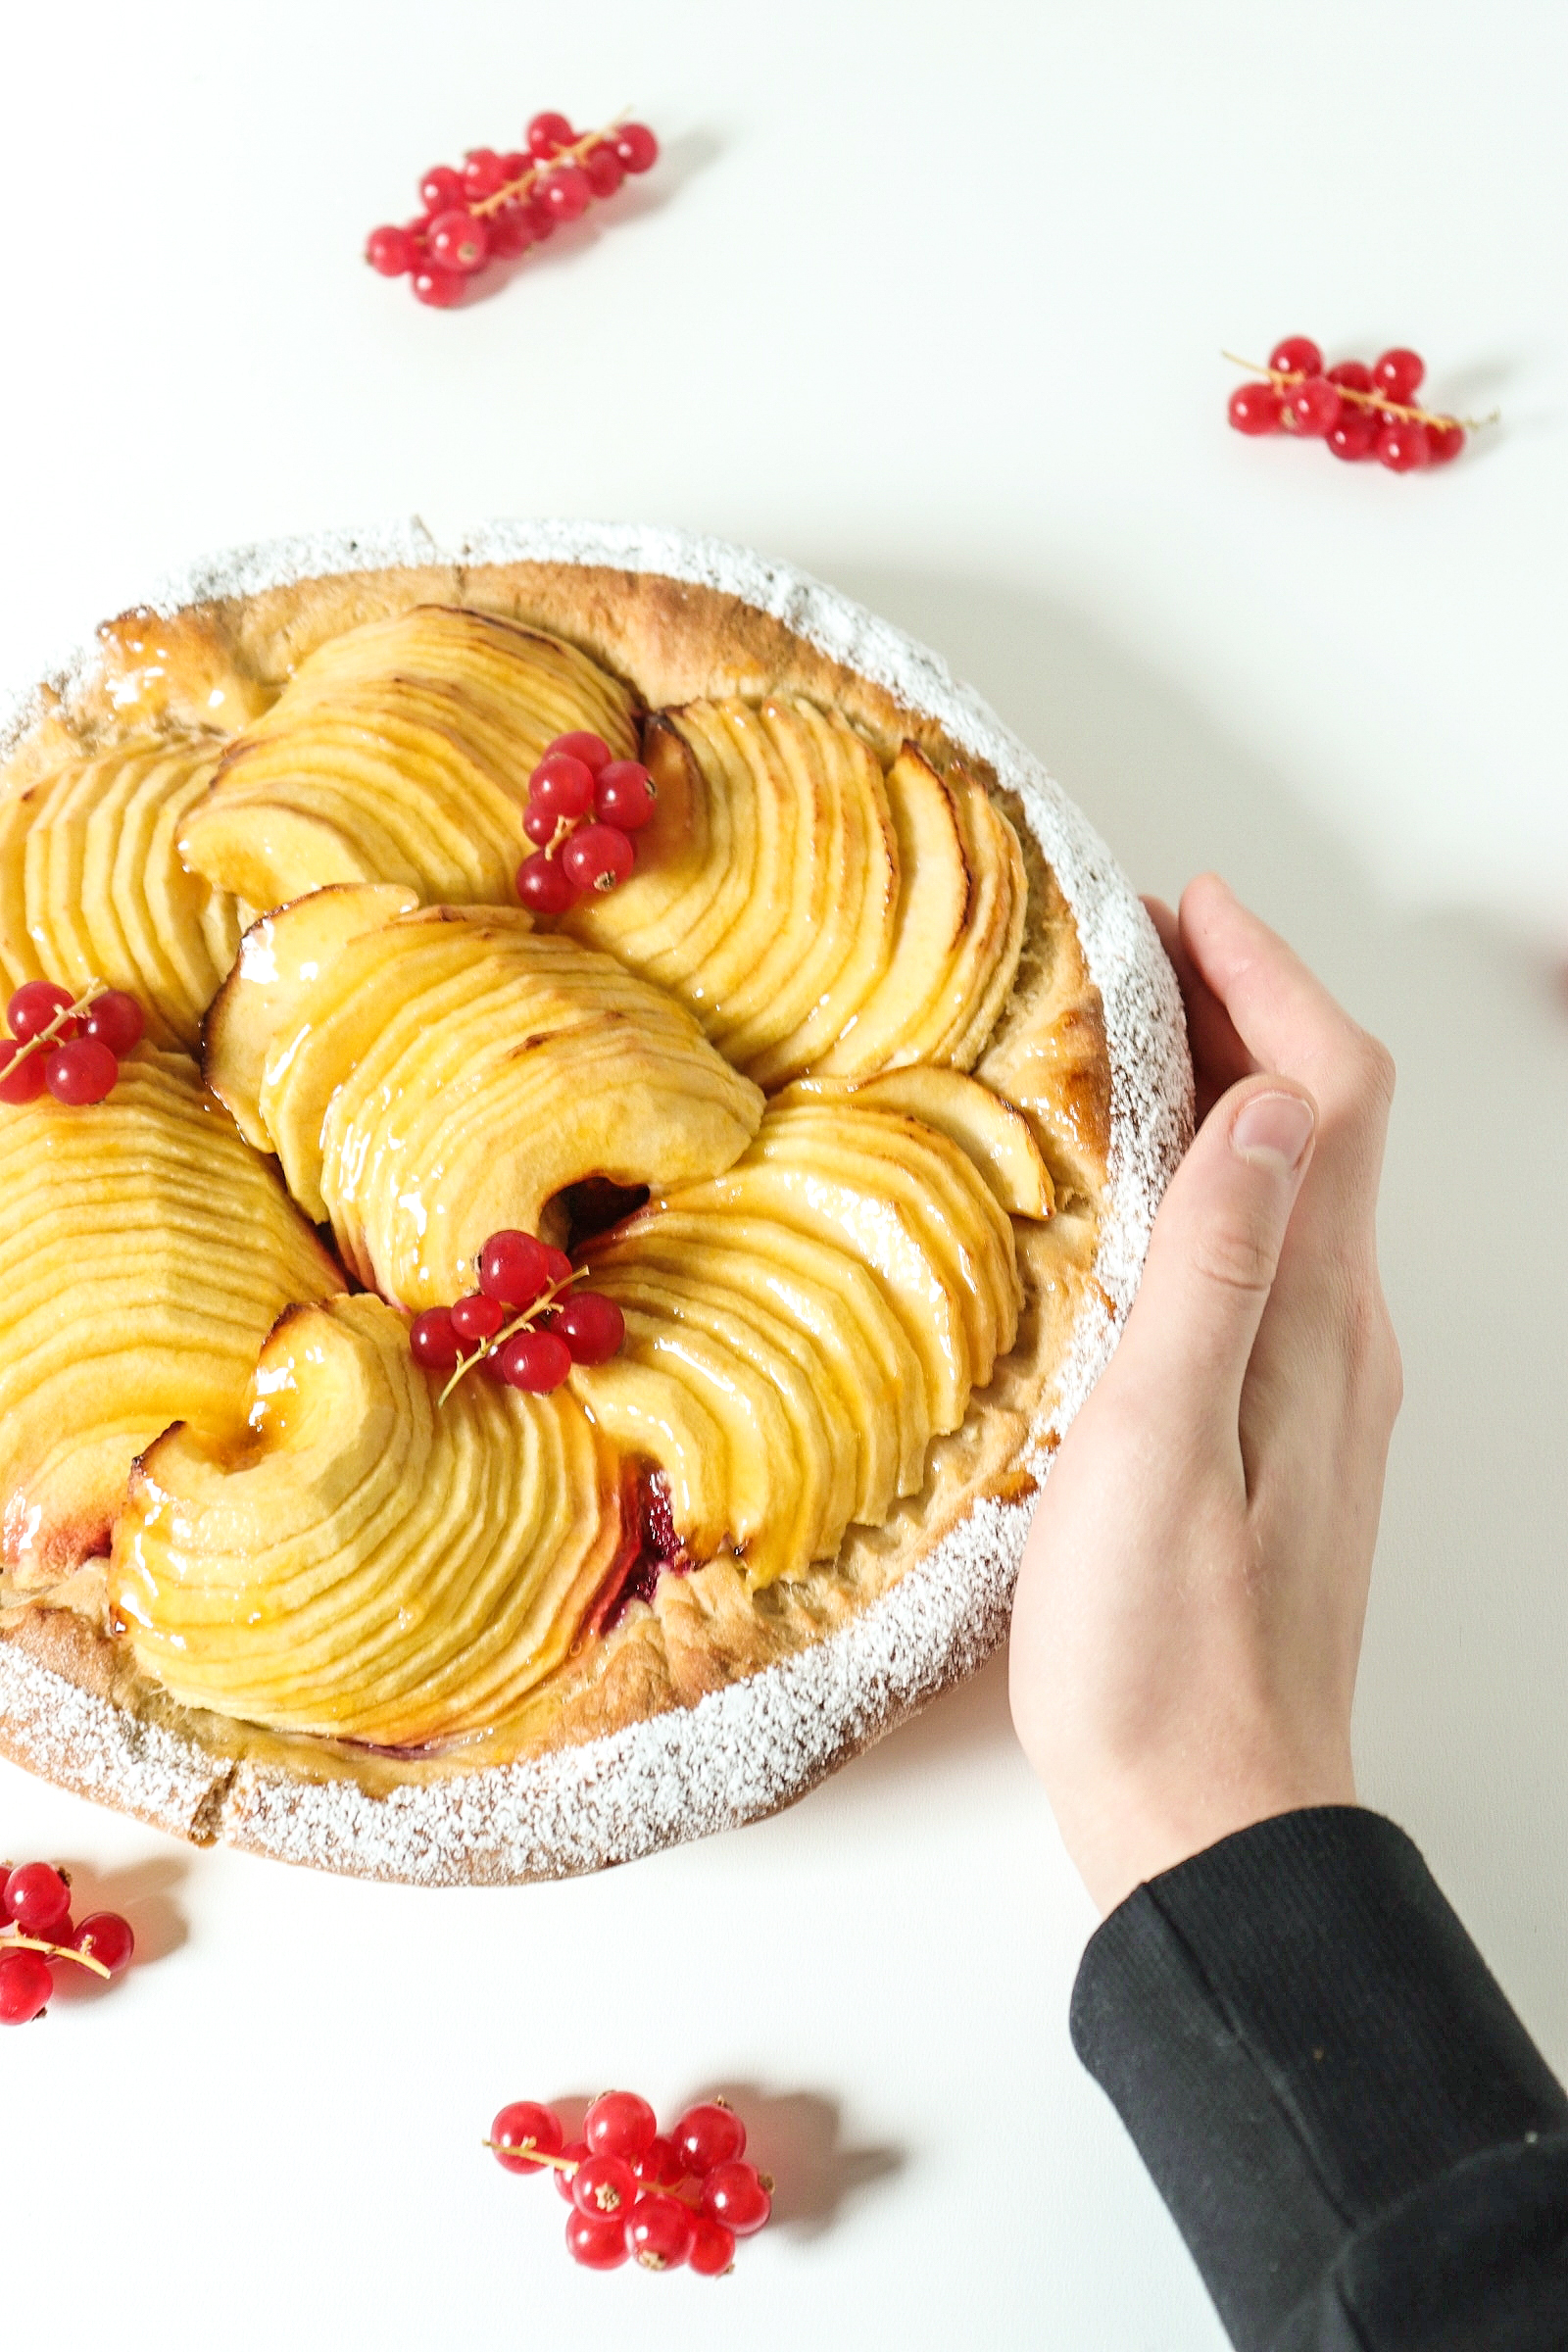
(542, 219)
(38, 1898)
(1444, 442)
(620, 2124)
(440, 289)
(660, 2164)
(598, 858)
(563, 785)
(541, 886)
(1297, 355)
(567, 192)
(513, 1267)
(541, 825)
(34, 1005)
(522, 2126)
(392, 251)
(706, 2134)
(712, 2248)
(604, 2185)
(733, 2194)
(636, 146)
(116, 1020)
(1353, 434)
(625, 795)
(574, 2151)
(1351, 376)
(593, 1328)
(604, 171)
(23, 1082)
(106, 1937)
(459, 241)
(1402, 447)
(559, 1267)
(1256, 409)
(511, 232)
(432, 1341)
(534, 1361)
(592, 750)
(26, 1984)
(659, 2233)
(1311, 406)
(477, 1317)
(598, 2244)
(1396, 373)
(483, 173)
(515, 166)
(547, 134)
(441, 189)
(80, 1071)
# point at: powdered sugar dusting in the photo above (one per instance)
(742, 1752)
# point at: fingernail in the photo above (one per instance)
(1273, 1128)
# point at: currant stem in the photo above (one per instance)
(68, 1013)
(523, 1322)
(1282, 382)
(565, 828)
(57, 1951)
(524, 187)
(526, 2148)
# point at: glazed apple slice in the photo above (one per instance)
(706, 855)
(939, 1198)
(933, 908)
(146, 1254)
(283, 961)
(761, 1475)
(765, 890)
(400, 751)
(751, 1359)
(527, 686)
(650, 1410)
(799, 985)
(988, 958)
(361, 1563)
(92, 885)
(859, 1358)
(997, 1136)
(445, 1072)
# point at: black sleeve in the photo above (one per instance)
(1361, 2146)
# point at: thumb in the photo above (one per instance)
(1215, 1246)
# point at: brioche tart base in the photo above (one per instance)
(712, 1705)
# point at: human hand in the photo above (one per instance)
(1189, 1612)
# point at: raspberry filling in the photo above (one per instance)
(654, 1547)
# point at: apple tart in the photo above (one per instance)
(853, 1100)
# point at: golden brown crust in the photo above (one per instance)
(210, 669)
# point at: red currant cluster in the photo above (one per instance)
(577, 781)
(1359, 412)
(71, 1044)
(37, 1933)
(636, 2193)
(500, 205)
(520, 1323)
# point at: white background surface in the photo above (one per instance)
(929, 300)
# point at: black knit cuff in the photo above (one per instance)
(1298, 2032)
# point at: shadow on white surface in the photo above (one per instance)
(144, 1893)
(1462, 1728)
(797, 2136)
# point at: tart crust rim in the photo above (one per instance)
(574, 1806)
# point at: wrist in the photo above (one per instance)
(1121, 1837)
